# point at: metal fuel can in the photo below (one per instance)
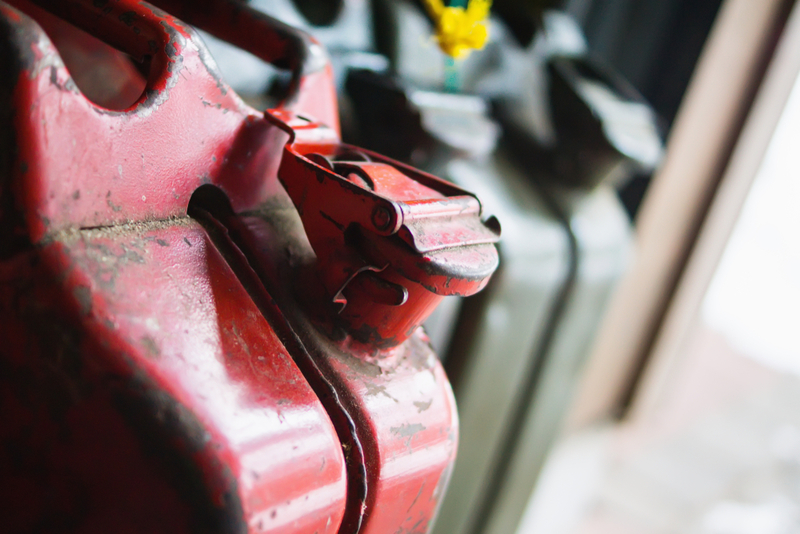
(210, 313)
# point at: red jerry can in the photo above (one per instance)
(210, 314)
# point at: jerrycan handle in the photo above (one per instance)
(143, 30)
(269, 39)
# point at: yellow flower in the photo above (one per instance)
(459, 30)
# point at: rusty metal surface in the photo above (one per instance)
(176, 374)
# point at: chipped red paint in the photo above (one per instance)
(167, 373)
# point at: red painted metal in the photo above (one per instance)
(149, 394)
(139, 174)
(168, 373)
(391, 241)
(143, 389)
(406, 422)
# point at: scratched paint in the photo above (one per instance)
(187, 368)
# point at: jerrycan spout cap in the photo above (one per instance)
(391, 241)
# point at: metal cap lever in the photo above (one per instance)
(391, 241)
